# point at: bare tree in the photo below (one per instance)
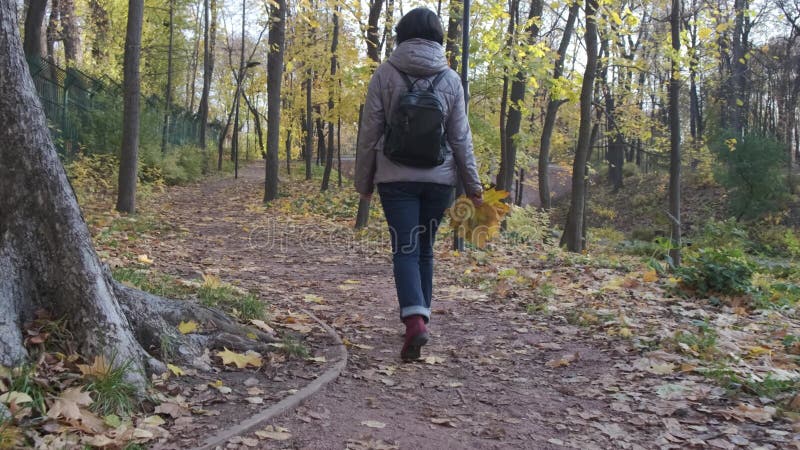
(573, 236)
(334, 44)
(277, 37)
(126, 197)
(34, 28)
(675, 135)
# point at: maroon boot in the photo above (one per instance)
(416, 336)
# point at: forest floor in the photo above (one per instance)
(531, 347)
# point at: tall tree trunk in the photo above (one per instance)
(100, 24)
(70, 34)
(240, 74)
(46, 249)
(552, 110)
(209, 29)
(277, 36)
(320, 137)
(326, 176)
(505, 171)
(191, 74)
(388, 36)
(573, 230)
(34, 29)
(126, 197)
(52, 29)
(168, 89)
(309, 121)
(453, 33)
(362, 215)
(737, 96)
(223, 136)
(517, 97)
(675, 135)
(257, 122)
(373, 37)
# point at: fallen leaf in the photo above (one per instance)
(275, 433)
(373, 424)
(261, 325)
(650, 276)
(447, 422)
(188, 327)
(98, 369)
(144, 259)
(563, 361)
(434, 360)
(173, 410)
(299, 327)
(254, 400)
(68, 404)
(154, 420)
(177, 371)
(312, 298)
(15, 397)
(240, 360)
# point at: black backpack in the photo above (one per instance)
(415, 135)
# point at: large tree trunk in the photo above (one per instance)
(362, 215)
(46, 252)
(52, 34)
(675, 136)
(552, 110)
(308, 153)
(573, 230)
(34, 28)
(326, 176)
(277, 35)
(453, 33)
(101, 24)
(209, 30)
(506, 172)
(517, 97)
(168, 89)
(126, 196)
(70, 34)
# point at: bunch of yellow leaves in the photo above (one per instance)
(479, 224)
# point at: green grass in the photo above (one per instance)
(112, 393)
(769, 387)
(152, 282)
(704, 341)
(293, 347)
(24, 379)
(245, 306)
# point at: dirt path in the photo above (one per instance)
(494, 378)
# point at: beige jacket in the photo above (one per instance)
(419, 58)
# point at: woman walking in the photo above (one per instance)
(415, 145)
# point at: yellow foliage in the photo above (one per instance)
(240, 360)
(188, 327)
(98, 369)
(479, 224)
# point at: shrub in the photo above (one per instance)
(528, 224)
(753, 171)
(717, 234)
(717, 270)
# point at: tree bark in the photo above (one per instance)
(34, 29)
(52, 34)
(100, 23)
(573, 236)
(277, 37)
(675, 136)
(373, 37)
(168, 89)
(309, 121)
(326, 176)
(70, 34)
(505, 171)
(46, 252)
(362, 215)
(126, 197)
(552, 110)
(209, 30)
(453, 33)
(517, 97)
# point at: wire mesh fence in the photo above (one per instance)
(85, 113)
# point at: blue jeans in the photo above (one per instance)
(414, 211)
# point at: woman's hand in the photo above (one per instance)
(477, 199)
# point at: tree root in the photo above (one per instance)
(155, 319)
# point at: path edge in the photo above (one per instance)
(288, 403)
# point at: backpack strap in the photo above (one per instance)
(436, 80)
(409, 83)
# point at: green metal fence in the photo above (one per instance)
(85, 113)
